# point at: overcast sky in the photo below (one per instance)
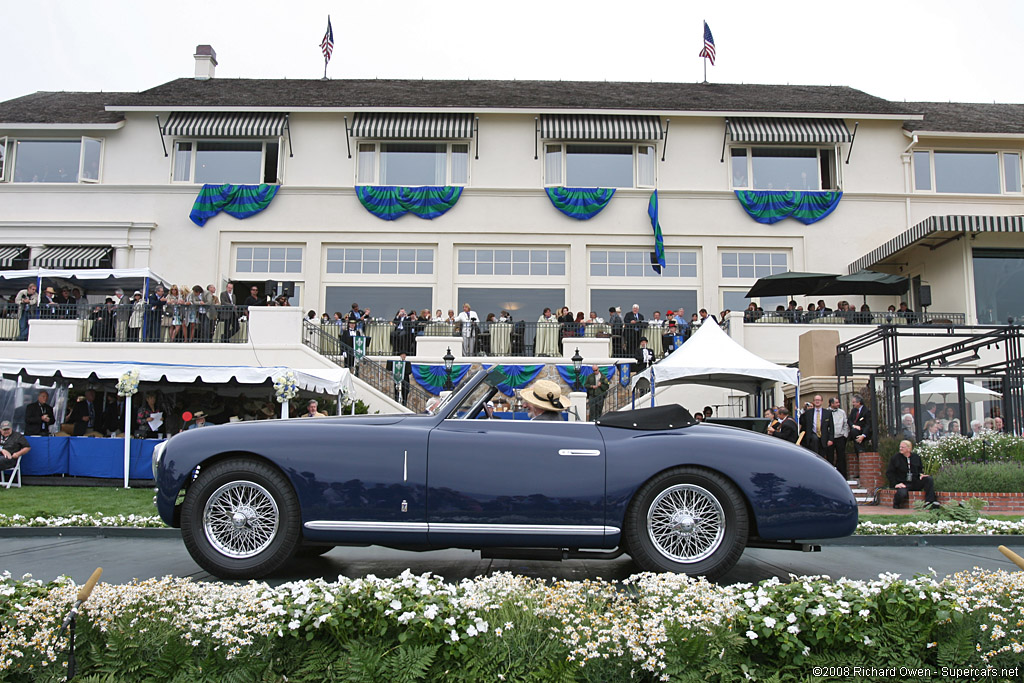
(898, 49)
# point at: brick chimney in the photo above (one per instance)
(206, 62)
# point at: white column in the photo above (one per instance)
(121, 254)
(578, 406)
(141, 256)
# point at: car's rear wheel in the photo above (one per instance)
(240, 519)
(687, 520)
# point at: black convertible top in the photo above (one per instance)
(649, 419)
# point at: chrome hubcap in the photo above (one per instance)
(686, 523)
(240, 519)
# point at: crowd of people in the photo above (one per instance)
(825, 429)
(940, 421)
(844, 312)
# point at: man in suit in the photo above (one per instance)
(633, 321)
(860, 425)
(786, 427)
(230, 313)
(906, 473)
(402, 333)
(39, 416)
(254, 298)
(86, 414)
(816, 423)
(155, 313)
(841, 428)
(348, 338)
(401, 371)
(596, 386)
(644, 357)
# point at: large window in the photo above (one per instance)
(998, 282)
(618, 263)
(380, 261)
(413, 163)
(784, 168)
(383, 302)
(523, 304)
(967, 172)
(753, 264)
(268, 260)
(511, 262)
(649, 300)
(599, 165)
(240, 162)
(53, 161)
(736, 300)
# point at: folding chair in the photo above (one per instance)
(11, 475)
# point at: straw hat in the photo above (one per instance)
(545, 395)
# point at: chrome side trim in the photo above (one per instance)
(446, 528)
(585, 452)
(523, 529)
(383, 527)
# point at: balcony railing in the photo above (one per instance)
(856, 318)
(520, 338)
(134, 323)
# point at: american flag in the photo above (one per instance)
(709, 45)
(327, 44)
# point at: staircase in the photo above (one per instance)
(860, 494)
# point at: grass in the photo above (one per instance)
(62, 501)
(925, 517)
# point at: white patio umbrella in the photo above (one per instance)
(937, 390)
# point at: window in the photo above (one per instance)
(523, 304)
(753, 264)
(54, 161)
(615, 263)
(784, 168)
(998, 282)
(380, 261)
(736, 300)
(511, 262)
(241, 162)
(967, 172)
(599, 165)
(649, 300)
(413, 163)
(268, 260)
(384, 302)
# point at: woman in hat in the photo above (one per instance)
(138, 312)
(544, 401)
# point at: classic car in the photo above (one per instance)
(675, 495)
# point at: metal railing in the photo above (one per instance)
(134, 322)
(324, 340)
(855, 318)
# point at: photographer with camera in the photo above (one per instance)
(470, 323)
(27, 299)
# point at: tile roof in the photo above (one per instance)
(473, 95)
(965, 117)
(61, 107)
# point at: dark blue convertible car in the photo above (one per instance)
(675, 495)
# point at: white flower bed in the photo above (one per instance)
(94, 519)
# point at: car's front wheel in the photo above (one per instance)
(687, 520)
(240, 519)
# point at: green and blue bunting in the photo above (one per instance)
(771, 206)
(432, 377)
(240, 201)
(659, 240)
(568, 373)
(516, 377)
(578, 202)
(391, 203)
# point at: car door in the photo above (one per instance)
(516, 483)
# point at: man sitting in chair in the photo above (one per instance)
(12, 446)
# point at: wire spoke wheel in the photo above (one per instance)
(241, 519)
(686, 523)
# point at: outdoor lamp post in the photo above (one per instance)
(449, 361)
(577, 364)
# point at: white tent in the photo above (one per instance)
(320, 380)
(711, 357)
(126, 278)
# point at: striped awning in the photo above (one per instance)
(8, 255)
(599, 127)
(195, 124)
(72, 257)
(938, 226)
(396, 126)
(802, 131)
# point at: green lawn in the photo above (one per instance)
(925, 517)
(61, 501)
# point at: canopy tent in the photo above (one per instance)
(711, 357)
(321, 380)
(941, 389)
(126, 278)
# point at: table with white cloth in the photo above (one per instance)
(546, 343)
(501, 338)
(597, 330)
(379, 332)
(653, 334)
(439, 329)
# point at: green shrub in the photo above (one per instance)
(991, 477)
(984, 447)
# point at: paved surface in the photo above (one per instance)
(124, 559)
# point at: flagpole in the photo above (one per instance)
(705, 70)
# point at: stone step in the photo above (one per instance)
(855, 491)
(863, 500)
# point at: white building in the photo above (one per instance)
(929, 190)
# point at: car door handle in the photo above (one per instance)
(579, 452)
